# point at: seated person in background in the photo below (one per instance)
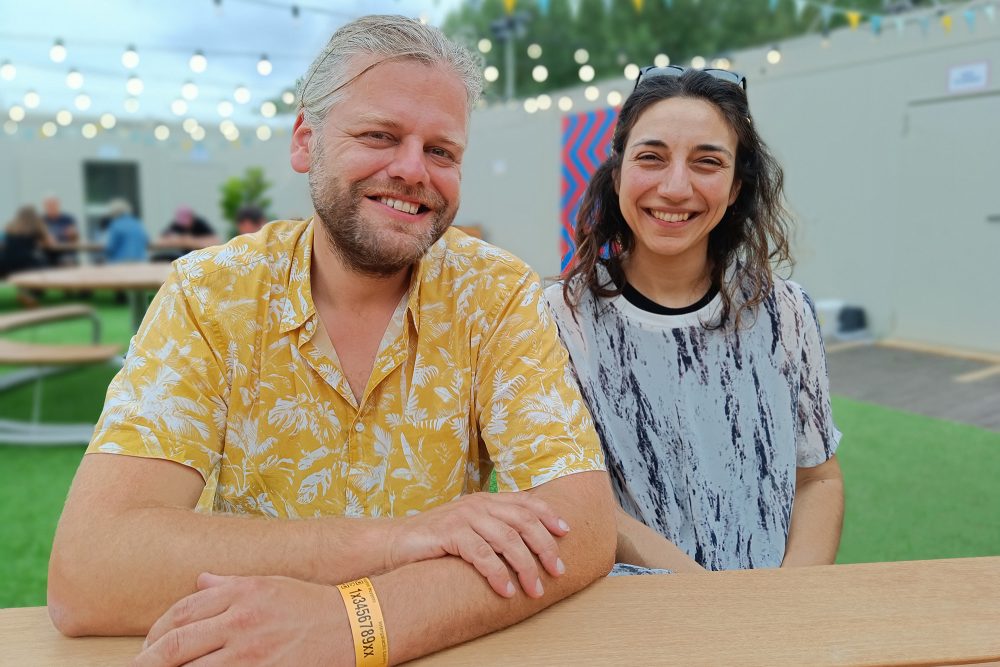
(321, 402)
(25, 237)
(249, 219)
(704, 371)
(126, 237)
(185, 233)
(62, 228)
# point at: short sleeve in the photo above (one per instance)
(817, 436)
(532, 418)
(169, 399)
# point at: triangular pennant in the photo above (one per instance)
(946, 22)
(543, 5)
(772, 5)
(509, 5)
(900, 24)
(669, 4)
(854, 18)
(800, 6)
(574, 8)
(970, 19)
(826, 13)
(876, 22)
(925, 24)
(638, 5)
(991, 12)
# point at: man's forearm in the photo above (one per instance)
(438, 603)
(115, 574)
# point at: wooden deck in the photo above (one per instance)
(953, 386)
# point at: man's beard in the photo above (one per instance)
(365, 246)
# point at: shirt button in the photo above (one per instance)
(359, 427)
(309, 325)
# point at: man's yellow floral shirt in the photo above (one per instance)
(232, 374)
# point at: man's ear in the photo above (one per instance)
(301, 158)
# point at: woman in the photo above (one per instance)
(24, 239)
(704, 371)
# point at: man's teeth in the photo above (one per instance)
(404, 206)
(670, 217)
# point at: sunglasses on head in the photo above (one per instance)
(677, 70)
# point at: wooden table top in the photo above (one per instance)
(943, 612)
(124, 276)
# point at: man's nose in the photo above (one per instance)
(409, 162)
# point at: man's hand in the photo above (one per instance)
(480, 528)
(251, 621)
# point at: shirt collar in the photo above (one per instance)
(299, 308)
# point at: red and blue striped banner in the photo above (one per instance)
(586, 143)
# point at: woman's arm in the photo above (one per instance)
(817, 515)
(639, 544)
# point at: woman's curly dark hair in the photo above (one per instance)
(752, 236)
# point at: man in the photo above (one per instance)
(186, 232)
(62, 229)
(249, 219)
(127, 240)
(361, 372)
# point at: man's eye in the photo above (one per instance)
(379, 136)
(441, 153)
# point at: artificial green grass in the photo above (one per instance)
(917, 487)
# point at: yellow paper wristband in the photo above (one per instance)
(371, 646)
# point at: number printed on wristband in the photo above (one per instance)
(371, 646)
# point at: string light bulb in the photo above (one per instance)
(58, 51)
(134, 85)
(241, 94)
(264, 65)
(661, 60)
(189, 90)
(198, 62)
(491, 73)
(774, 55)
(130, 58)
(74, 79)
(7, 70)
(32, 99)
(581, 56)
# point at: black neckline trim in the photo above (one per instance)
(642, 302)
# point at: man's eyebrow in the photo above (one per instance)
(707, 148)
(393, 125)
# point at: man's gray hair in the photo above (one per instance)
(118, 207)
(394, 37)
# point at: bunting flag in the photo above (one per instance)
(900, 24)
(946, 22)
(543, 5)
(925, 24)
(509, 5)
(800, 6)
(970, 19)
(669, 4)
(772, 5)
(826, 13)
(876, 22)
(854, 18)
(638, 6)
(586, 143)
(991, 12)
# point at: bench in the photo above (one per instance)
(41, 360)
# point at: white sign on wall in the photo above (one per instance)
(966, 78)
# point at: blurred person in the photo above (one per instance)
(330, 395)
(127, 240)
(249, 219)
(186, 232)
(62, 228)
(25, 239)
(703, 370)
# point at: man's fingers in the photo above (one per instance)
(198, 606)
(474, 550)
(549, 518)
(180, 646)
(534, 535)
